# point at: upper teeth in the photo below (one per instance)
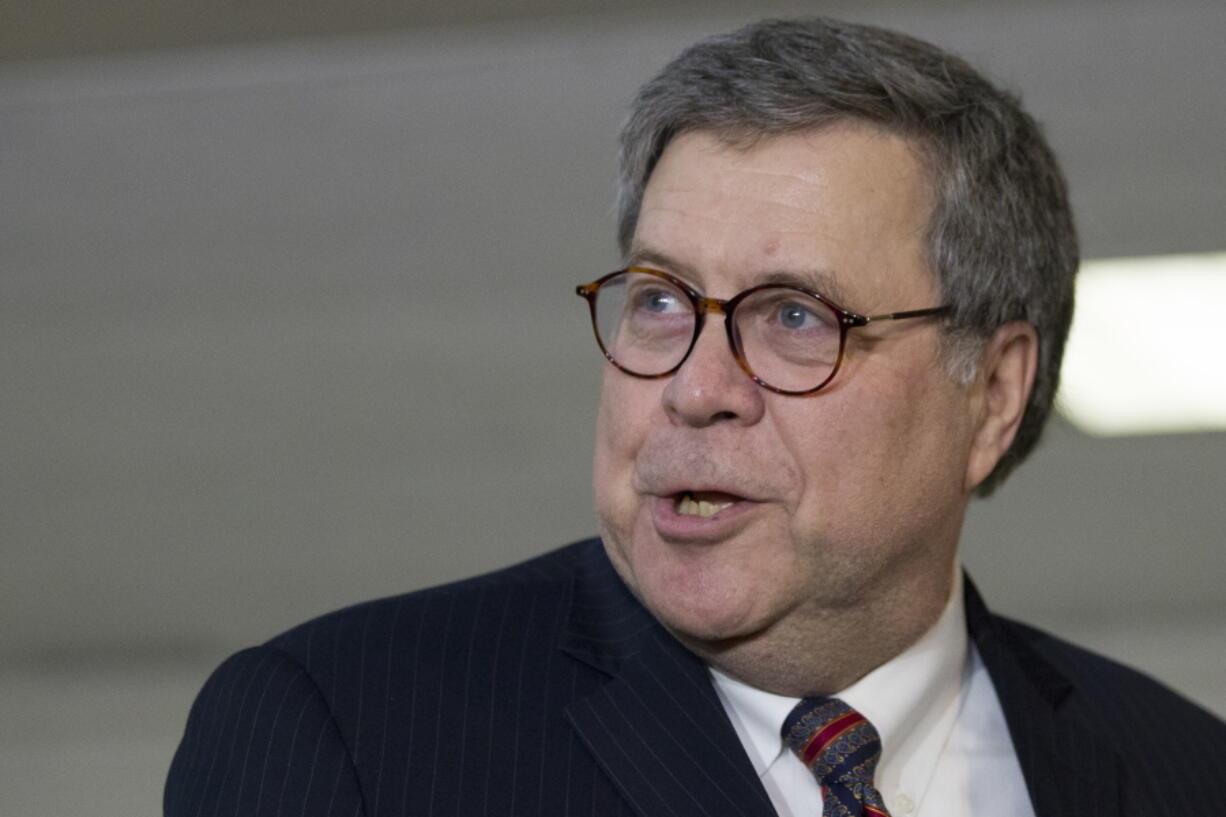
(688, 506)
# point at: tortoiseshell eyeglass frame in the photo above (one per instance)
(703, 306)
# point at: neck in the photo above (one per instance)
(822, 651)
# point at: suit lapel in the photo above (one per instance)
(660, 733)
(1067, 767)
(657, 728)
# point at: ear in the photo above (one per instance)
(1006, 375)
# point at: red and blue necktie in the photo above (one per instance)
(841, 748)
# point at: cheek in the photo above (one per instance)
(825, 454)
(912, 452)
(860, 459)
(621, 426)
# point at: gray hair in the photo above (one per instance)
(1001, 240)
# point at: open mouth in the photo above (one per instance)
(702, 503)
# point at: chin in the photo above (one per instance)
(711, 628)
(694, 603)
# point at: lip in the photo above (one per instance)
(676, 527)
(669, 488)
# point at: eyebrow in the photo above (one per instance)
(646, 256)
(816, 280)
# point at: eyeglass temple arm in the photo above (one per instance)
(911, 313)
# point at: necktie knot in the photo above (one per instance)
(841, 748)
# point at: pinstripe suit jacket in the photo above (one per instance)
(547, 689)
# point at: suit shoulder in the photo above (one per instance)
(363, 682)
(258, 723)
(1117, 696)
(516, 602)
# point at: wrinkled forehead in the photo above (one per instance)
(811, 208)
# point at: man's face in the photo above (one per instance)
(854, 491)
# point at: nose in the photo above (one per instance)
(711, 387)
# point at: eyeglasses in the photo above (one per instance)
(786, 338)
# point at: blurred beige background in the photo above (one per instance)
(286, 322)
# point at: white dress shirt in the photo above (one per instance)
(946, 750)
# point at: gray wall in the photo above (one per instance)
(289, 326)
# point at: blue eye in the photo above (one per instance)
(795, 316)
(660, 301)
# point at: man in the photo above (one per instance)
(847, 283)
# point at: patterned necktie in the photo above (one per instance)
(840, 747)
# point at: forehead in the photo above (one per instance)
(843, 210)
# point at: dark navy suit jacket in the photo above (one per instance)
(547, 689)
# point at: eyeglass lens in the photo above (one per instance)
(788, 339)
